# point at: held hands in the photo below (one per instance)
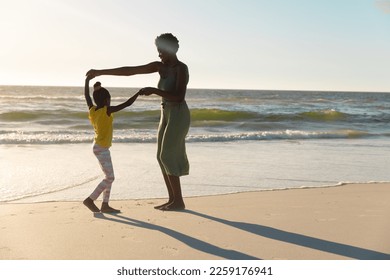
(88, 78)
(92, 73)
(147, 91)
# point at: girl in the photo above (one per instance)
(101, 117)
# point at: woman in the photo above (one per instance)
(175, 115)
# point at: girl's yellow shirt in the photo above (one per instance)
(102, 124)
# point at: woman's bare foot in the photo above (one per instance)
(91, 206)
(159, 207)
(107, 209)
(174, 206)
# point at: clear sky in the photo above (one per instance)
(227, 44)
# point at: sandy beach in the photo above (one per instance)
(334, 223)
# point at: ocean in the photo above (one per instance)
(57, 115)
(239, 140)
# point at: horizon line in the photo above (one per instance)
(208, 88)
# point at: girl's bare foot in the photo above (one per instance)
(107, 209)
(91, 206)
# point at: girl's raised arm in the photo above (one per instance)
(86, 92)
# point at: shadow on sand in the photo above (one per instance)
(263, 231)
(188, 240)
(300, 240)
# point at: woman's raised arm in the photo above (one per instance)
(126, 70)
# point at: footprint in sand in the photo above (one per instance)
(326, 219)
(5, 252)
(170, 250)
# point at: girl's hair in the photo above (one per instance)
(167, 42)
(100, 94)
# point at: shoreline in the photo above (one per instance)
(216, 168)
(351, 221)
(16, 201)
